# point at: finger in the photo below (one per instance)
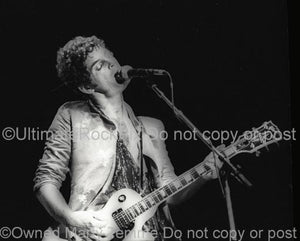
(208, 175)
(99, 217)
(84, 235)
(107, 231)
(215, 160)
(96, 230)
(221, 147)
(211, 169)
(218, 164)
(95, 237)
(110, 237)
(97, 224)
(209, 165)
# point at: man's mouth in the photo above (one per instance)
(119, 77)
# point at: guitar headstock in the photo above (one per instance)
(257, 138)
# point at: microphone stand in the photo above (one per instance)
(231, 169)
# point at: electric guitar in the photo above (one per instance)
(126, 211)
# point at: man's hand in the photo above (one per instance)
(213, 163)
(89, 225)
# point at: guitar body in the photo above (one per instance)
(121, 200)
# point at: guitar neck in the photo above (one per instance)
(260, 137)
(184, 180)
(163, 193)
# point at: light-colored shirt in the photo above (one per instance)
(84, 143)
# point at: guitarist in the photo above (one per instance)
(102, 144)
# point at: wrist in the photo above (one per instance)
(67, 216)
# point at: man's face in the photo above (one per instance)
(102, 66)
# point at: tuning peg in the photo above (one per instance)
(257, 153)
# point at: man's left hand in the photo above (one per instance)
(213, 163)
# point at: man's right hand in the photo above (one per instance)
(87, 225)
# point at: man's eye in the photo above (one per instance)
(98, 66)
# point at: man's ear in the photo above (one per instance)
(86, 89)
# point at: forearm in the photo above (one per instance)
(187, 193)
(53, 201)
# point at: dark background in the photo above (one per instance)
(230, 64)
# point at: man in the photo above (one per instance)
(102, 143)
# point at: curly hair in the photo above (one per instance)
(70, 65)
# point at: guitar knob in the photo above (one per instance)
(122, 198)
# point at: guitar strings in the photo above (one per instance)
(125, 214)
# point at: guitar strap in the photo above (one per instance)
(145, 161)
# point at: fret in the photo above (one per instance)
(148, 203)
(160, 197)
(135, 210)
(194, 174)
(173, 188)
(168, 191)
(155, 198)
(130, 214)
(141, 207)
(183, 182)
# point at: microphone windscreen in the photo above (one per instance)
(124, 70)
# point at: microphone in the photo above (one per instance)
(127, 72)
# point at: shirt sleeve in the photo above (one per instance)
(53, 166)
(155, 129)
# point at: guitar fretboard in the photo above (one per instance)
(162, 194)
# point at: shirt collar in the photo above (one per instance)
(135, 121)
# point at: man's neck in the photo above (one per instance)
(111, 106)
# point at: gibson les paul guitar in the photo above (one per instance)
(127, 211)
